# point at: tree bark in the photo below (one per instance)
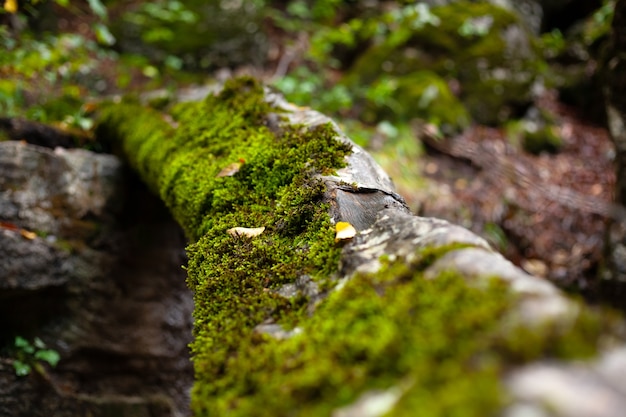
(615, 67)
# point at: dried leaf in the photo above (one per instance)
(344, 230)
(230, 169)
(246, 231)
(28, 235)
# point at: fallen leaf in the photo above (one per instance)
(230, 169)
(10, 6)
(28, 235)
(344, 230)
(246, 231)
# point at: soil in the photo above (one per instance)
(547, 213)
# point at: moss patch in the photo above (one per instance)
(378, 330)
(440, 340)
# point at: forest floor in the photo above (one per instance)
(547, 213)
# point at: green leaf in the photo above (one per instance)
(103, 35)
(21, 368)
(48, 355)
(24, 345)
(39, 344)
(21, 342)
(98, 8)
(173, 62)
(299, 9)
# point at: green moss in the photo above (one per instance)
(441, 340)
(426, 256)
(377, 330)
(577, 338)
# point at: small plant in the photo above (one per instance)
(30, 355)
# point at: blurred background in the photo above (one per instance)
(487, 113)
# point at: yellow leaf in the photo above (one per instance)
(246, 231)
(344, 230)
(230, 170)
(10, 6)
(28, 235)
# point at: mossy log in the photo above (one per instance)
(410, 316)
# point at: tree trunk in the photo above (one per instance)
(615, 274)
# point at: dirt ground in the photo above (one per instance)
(547, 213)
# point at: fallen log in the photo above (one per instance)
(403, 315)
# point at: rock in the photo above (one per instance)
(78, 241)
(530, 10)
(583, 389)
(537, 132)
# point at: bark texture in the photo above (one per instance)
(615, 284)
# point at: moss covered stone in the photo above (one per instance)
(486, 48)
(439, 342)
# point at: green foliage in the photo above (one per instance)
(496, 236)
(305, 86)
(40, 70)
(397, 64)
(30, 355)
(325, 39)
(553, 43)
(48, 74)
(33, 67)
(156, 16)
(599, 25)
(194, 34)
(421, 94)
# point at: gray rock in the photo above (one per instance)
(581, 389)
(78, 242)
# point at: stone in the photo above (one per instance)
(79, 236)
(579, 389)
